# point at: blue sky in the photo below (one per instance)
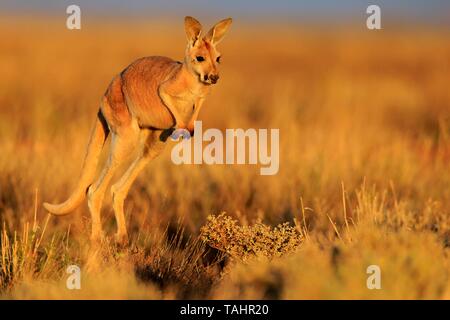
(432, 10)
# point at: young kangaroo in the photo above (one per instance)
(141, 107)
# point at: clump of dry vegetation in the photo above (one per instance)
(243, 242)
(364, 125)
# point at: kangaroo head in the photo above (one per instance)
(202, 57)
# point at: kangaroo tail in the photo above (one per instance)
(98, 136)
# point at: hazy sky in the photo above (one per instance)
(432, 10)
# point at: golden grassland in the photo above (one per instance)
(364, 178)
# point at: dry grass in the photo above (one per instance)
(364, 121)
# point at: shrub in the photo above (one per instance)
(243, 242)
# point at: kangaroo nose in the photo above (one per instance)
(214, 78)
(205, 77)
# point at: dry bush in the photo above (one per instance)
(243, 242)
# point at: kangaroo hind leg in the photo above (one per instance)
(121, 146)
(151, 146)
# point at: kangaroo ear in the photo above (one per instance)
(216, 34)
(193, 29)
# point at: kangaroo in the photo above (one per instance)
(141, 107)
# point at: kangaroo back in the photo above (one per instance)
(140, 85)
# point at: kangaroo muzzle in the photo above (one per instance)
(214, 78)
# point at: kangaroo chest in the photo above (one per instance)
(183, 104)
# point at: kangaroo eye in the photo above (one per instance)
(199, 58)
(218, 59)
